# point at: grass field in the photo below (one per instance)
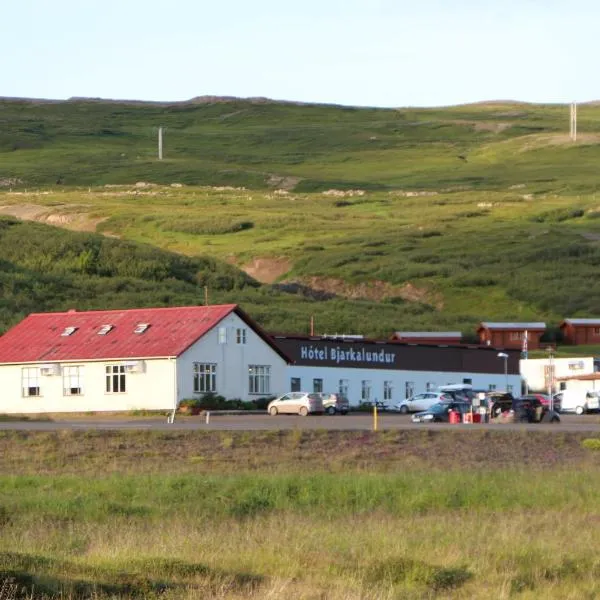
(341, 515)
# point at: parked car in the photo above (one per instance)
(335, 404)
(530, 409)
(440, 412)
(421, 402)
(498, 402)
(543, 398)
(300, 403)
(580, 401)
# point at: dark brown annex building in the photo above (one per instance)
(366, 369)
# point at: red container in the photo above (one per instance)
(454, 417)
(476, 418)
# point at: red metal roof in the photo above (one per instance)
(170, 332)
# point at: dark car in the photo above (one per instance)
(440, 412)
(530, 409)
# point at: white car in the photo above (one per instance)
(297, 403)
(421, 402)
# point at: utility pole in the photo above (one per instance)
(160, 143)
(573, 130)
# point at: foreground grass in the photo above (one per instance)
(341, 515)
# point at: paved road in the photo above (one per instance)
(585, 423)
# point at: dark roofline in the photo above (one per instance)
(320, 338)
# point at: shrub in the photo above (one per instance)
(591, 444)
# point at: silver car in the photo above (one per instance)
(296, 403)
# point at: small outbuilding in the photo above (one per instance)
(511, 335)
(580, 332)
(140, 359)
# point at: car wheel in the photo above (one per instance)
(344, 412)
(579, 410)
(273, 411)
(330, 410)
(303, 411)
(404, 409)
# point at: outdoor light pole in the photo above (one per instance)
(505, 357)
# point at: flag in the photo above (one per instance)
(524, 349)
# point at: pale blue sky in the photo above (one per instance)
(351, 52)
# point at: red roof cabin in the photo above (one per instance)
(581, 332)
(511, 335)
(427, 337)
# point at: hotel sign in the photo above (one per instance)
(339, 354)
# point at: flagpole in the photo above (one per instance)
(525, 350)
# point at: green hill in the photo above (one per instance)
(368, 220)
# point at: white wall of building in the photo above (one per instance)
(232, 360)
(152, 389)
(533, 371)
(158, 384)
(402, 382)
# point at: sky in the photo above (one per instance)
(382, 53)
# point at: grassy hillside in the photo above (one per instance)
(389, 220)
(254, 144)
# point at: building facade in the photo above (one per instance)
(580, 332)
(511, 335)
(142, 359)
(368, 370)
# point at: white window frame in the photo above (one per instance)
(30, 382)
(241, 335)
(409, 389)
(365, 390)
(72, 380)
(205, 378)
(344, 387)
(222, 335)
(115, 374)
(388, 390)
(259, 379)
(430, 386)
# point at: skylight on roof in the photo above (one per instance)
(68, 331)
(141, 327)
(105, 329)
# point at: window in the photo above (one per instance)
(596, 330)
(509, 388)
(317, 385)
(68, 331)
(259, 379)
(430, 386)
(205, 378)
(409, 389)
(365, 390)
(115, 379)
(468, 381)
(240, 336)
(295, 384)
(343, 387)
(72, 381)
(140, 328)
(387, 390)
(104, 329)
(222, 335)
(491, 387)
(517, 335)
(30, 380)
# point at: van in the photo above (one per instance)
(580, 401)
